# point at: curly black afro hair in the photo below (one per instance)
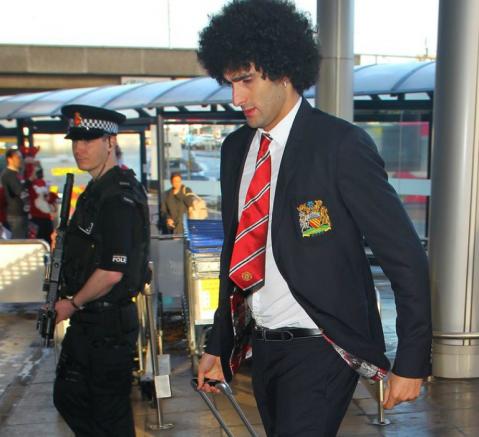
(271, 34)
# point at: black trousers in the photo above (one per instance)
(18, 225)
(94, 375)
(302, 387)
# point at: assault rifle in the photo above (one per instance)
(51, 284)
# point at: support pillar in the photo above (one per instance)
(454, 230)
(334, 90)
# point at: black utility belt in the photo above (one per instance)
(101, 314)
(284, 334)
(102, 306)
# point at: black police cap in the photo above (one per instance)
(89, 122)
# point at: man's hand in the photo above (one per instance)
(400, 389)
(209, 367)
(64, 310)
(170, 223)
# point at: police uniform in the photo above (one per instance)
(109, 230)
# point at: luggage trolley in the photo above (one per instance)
(203, 242)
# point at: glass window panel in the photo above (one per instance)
(403, 145)
(194, 150)
(56, 158)
(130, 151)
(416, 207)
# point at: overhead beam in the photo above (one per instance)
(30, 67)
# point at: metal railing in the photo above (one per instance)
(25, 242)
(455, 335)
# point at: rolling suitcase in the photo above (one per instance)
(226, 390)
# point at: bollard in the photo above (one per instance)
(381, 419)
(161, 382)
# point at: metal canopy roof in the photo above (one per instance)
(417, 77)
(371, 80)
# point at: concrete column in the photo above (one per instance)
(334, 90)
(143, 163)
(160, 150)
(454, 236)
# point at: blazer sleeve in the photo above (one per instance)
(216, 338)
(380, 216)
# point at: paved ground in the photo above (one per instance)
(445, 408)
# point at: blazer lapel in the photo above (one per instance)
(288, 164)
(236, 169)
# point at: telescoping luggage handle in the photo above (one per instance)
(226, 390)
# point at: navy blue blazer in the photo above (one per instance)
(329, 160)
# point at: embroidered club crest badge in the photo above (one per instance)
(313, 218)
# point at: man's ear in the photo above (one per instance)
(285, 81)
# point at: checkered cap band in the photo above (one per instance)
(89, 123)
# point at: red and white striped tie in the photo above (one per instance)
(248, 259)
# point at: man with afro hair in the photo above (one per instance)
(300, 189)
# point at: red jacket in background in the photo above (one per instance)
(42, 202)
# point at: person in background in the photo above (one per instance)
(16, 195)
(42, 205)
(175, 204)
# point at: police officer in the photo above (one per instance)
(106, 250)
